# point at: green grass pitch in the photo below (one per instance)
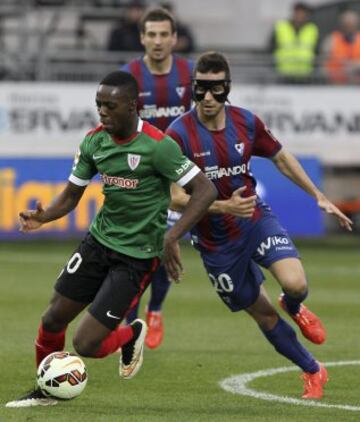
(204, 343)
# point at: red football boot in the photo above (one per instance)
(155, 333)
(309, 324)
(314, 383)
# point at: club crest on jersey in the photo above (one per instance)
(180, 91)
(240, 148)
(133, 160)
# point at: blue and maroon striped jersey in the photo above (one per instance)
(162, 98)
(224, 156)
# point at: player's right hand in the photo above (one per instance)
(31, 219)
(172, 259)
(330, 208)
(240, 206)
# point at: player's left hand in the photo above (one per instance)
(330, 208)
(240, 206)
(172, 259)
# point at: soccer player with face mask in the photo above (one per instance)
(221, 139)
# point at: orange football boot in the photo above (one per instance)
(309, 324)
(155, 332)
(314, 383)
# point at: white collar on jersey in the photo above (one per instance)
(139, 125)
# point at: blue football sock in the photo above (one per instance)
(132, 315)
(284, 339)
(159, 288)
(293, 302)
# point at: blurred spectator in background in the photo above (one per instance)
(49, 3)
(294, 45)
(342, 49)
(2, 48)
(106, 3)
(125, 35)
(185, 39)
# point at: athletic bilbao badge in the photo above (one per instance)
(133, 160)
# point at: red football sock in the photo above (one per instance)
(115, 340)
(47, 342)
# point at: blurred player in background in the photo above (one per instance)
(185, 38)
(164, 81)
(115, 262)
(240, 233)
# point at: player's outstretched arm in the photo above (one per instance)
(291, 168)
(61, 205)
(201, 194)
(330, 208)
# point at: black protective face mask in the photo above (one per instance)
(200, 87)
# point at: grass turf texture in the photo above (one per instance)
(204, 343)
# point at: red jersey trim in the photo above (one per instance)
(96, 129)
(153, 132)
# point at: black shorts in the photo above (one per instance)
(112, 282)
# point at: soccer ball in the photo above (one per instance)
(62, 375)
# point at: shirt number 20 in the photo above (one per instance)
(222, 283)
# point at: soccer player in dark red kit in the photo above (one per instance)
(113, 265)
(164, 81)
(240, 234)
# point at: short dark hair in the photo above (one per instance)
(212, 61)
(158, 14)
(300, 5)
(123, 80)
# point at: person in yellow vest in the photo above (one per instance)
(342, 50)
(294, 45)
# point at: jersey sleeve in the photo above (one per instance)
(265, 143)
(176, 137)
(172, 164)
(83, 168)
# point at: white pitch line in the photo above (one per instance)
(237, 384)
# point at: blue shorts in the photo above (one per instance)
(235, 272)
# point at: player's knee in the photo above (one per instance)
(295, 285)
(83, 346)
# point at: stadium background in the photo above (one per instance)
(44, 117)
(47, 90)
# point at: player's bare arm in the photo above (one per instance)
(201, 194)
(291, 168)
(236, 205)
(61, 205)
